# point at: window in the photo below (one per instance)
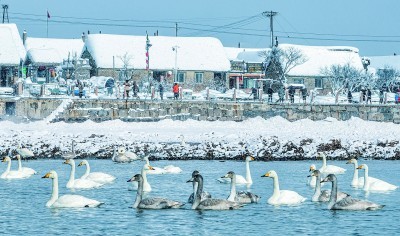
(181, 77)
(198, 78)
(319, 83)
(298, 81)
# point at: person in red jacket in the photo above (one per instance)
(175, 90)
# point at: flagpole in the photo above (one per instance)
(47, 17)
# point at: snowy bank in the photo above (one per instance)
(266, 139)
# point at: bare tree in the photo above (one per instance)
(280, 61)
(341, 77)
(126, 61)
(387, 77)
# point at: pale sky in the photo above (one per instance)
(370, 25)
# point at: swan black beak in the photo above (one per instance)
(129, 180)
(190, 180)
(308, 176)
(46, 176)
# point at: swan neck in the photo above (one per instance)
(366, 178)
(233, 189)
(8, 167)
(71, 176)
(54, 192)
(248, 174)
(333, 198)
(87, 172)
(195, 186)
(355, 174)
(317, 190)
(138, 194)
(19, 164)
(276, 186)
(73, 148)
(197, 197)
(323, 161)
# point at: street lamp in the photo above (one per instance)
(175, 49)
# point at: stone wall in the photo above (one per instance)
(140, 110)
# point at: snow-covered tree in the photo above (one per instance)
(343, 76)
(387, 77)
(280, 61)
(126, 62)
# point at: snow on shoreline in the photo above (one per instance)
(267, 139)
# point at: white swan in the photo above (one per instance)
(170, 169)
(146, 186)
(98, 177)
(203, 196)
(358, 182)
(79, 183)
(26, 170)
(75, 201)
(182, 138)
(24, 152)
(151, 203)
(377, 185)
(240, 179)
(210, 203)
(282, 197)
(71, 154)
(347, 203)
(329, 169)
(241, 196)
(12, 174)
(121, 155)
(311, 180)
(323, 196)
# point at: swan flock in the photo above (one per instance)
(202, 200)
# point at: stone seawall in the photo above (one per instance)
(79, 110)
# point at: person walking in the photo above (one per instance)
(349, 97)
(254, 93)
(161, 90)
(175, 90)
(304, 94)
(369, 95)
(270, 92)
(381, 96)
(281, 94)
(127, 88)
(135, 88)
(80, 88)
(363, 94)
(291, 94)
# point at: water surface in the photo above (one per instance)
(23, 211)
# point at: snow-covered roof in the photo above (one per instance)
(380, 62)
(194, 53)
(246, 54)
(52, 51)
(319, 57)
(12, 50)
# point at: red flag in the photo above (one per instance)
(48, 15)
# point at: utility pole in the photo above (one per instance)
(271, 15)
(5, 13)
(176, 29)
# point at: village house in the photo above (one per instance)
(193, 62)
(248, 65)
(12, 54)
(46, 55)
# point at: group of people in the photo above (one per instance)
(282, 91)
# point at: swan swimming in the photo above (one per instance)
(12, 174)
(75, 201)
(146, 186)
(151, 202)
(329, 169)
(170, 169)
(26, 170)
(358, 182)
(282, 197)
(121, 155)
(241, 196)
(71, 154)
(240, 179)
(79, 183)
(98, 177)
(24, 152)
(323, 196)
(377, 185)
(210, 203)
(347, 203)
(204, 195)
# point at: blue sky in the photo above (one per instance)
(371, 26)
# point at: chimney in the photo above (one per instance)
(83, 37)
(239, 45)
(24, 36)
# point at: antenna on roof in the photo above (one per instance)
(239, 45)
(5, 13)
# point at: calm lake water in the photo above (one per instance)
(23, 211)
